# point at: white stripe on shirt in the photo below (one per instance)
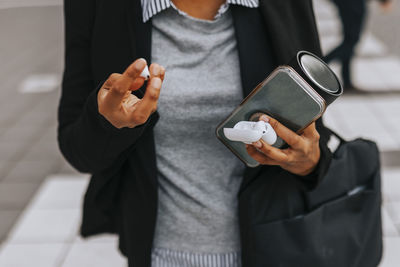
(161, 257)
(153, 7)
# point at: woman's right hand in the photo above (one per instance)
(119, 106)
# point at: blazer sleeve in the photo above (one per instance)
(86, 139)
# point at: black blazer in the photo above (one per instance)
(103, 37)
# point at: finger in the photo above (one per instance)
(117, 92)
(291, 138)
(110, 95)
(131, 101)
(260, 157)
(122, 85)
(111, 80)
(104, 90)
(155, 70)
(134, 70)
(162, 73)
(131, 79)
(272, 152)
(311, 132)
(148, 103)
(137, 83)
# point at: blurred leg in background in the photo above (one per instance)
(352, 14)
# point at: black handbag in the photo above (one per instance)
(342, 225)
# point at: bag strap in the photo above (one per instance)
(342, 140)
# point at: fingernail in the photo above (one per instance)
(156, 82)
(264, 118)
(257, 144)
(141, 63)
(156, 70)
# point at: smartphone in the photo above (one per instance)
(283, 95)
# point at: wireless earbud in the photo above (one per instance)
(145, 73)
(249, 132)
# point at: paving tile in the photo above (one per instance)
(35, 119)
(391, 183)
(394, 212)
(35, 255)
(384, 140)
(46, 226)
(5, 168)
(39, 83)
(377, 74)
(21, 133)
(7, 220)
(5, 122)
(370, 46)
(329, 42)
(366, 75)
(391, 255)
(94, 254)
(42, 150)
(324, 9)
(355, 111)
(32, 170)
(16, 105)
(45, 110)
(50, 135)
(388, 104)
(16, 195)
(66, 168)
(389, 228)
(386, 66)
(364, 119)
(329, 27)
(331, 121)
(11, 150)
(61, 192)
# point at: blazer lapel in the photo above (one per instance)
(254, 48)
(291, 26)
(139, 32)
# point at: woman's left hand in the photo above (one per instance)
(300, 158)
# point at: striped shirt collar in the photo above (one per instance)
(153, 7)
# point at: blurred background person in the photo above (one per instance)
(352, 14)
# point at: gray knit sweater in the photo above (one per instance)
(199, 177)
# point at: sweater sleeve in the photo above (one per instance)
(86, 139)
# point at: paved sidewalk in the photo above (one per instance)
(31, 44)
(40, 195)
